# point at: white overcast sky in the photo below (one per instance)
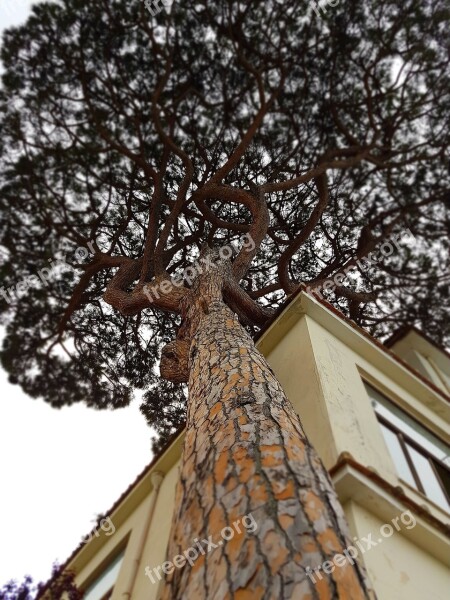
(58, 468)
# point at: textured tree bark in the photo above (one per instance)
(245, 454)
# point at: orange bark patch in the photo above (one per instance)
(216, 520)
(255, 594)
(259, 494)
(217, 573)
(271, 456)
(215, 410)
(198, 563)
(288, 491)
(233, 546)
(347, 583)
(285, 521)
(245, 466)
(208, 487)
(314, 506)
(223, 435)
(221, 468)
(232, 483)
(240, 453)
(259, 376)
(309, 547)
(243, 419)
(275, 552)
(323, 590)
(329, 541)
(295, 451)
(232, 380)
(190, 438)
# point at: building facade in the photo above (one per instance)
(379, 418)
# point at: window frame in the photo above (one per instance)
(119, 551)
(403, 438)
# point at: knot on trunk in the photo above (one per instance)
(175, 361)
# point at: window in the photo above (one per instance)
(102, 587)
(421, 458)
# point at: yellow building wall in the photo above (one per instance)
(155, 549)
(295, 367)
(398, 568)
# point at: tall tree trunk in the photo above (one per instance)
(248, 466)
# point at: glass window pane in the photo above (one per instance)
(406, 424)
(444, 476)
(428, 478)
(106, 581)
(398, 456)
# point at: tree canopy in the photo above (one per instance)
(60, 585)
(128, 141)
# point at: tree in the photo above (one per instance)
(141, 146)
(16, 591)
(62, 587)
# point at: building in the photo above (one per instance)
(378, 417)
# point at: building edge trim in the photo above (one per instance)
(346, 460)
